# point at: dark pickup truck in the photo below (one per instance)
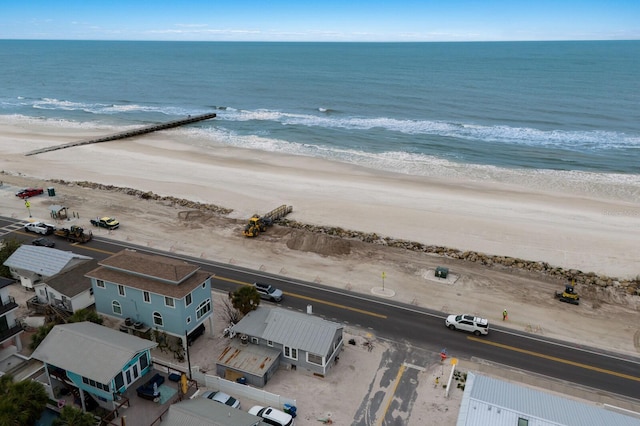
(147, 390)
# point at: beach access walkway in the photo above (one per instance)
(128, 133)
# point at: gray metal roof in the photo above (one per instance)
(42, 260)
(297, 330)
(90, 350)
(202, 412)
(489, 401)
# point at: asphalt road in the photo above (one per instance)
(402, 323)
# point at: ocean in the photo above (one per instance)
(555, 114)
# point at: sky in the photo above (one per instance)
(328, 20)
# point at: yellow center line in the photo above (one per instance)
(311, 299)
(556, 359)
(390, 396)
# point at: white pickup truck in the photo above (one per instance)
(39, 228)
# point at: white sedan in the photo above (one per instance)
(222, 398)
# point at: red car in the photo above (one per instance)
(29, 192)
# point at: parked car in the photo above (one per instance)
(105, 222)
(39, 228)
(43, 242)
(470, 323)
(29, 192)
(222, 398)
(272, 416)
(268, 292)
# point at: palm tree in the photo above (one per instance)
(21, 403)
(245, 299)
(71, 416)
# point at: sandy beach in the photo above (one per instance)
(591, 233)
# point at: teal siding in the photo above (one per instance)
(132, 305)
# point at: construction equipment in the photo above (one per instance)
(569, 295)
(258, 224)
(74, 233)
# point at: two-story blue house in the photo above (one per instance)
(153, 295)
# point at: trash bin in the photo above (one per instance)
(51, 191)
(442, 272)
(290, 409)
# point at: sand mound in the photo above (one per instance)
(321, 244)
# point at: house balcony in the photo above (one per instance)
(7, 304)
(11, 331)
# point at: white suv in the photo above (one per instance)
(475, 325)
(268, 292)
(272, 416)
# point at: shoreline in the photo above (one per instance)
(567, 230)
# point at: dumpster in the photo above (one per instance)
(51, 191)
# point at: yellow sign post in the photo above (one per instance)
(384, 275)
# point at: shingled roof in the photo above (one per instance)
(148, 272)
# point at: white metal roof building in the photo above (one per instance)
(32, 264)
(492, 402)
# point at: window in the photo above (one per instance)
(290, 352)
(189, 320)
(188, 300)
(314, 359)
(116, 308)
(100, 283)
(146, 296)
(255, 340)
(119, 380)
(91, 291)
(168, 301)
(157, 319)
(204, 284)
(121, 290)
(523, 422)
(203, 309)
(144, 361)
(270, 343)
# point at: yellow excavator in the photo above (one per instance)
(258, 224)
(569, 294)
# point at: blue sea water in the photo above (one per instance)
(403, 107)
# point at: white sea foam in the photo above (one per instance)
(606, 185)
(591, 140)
